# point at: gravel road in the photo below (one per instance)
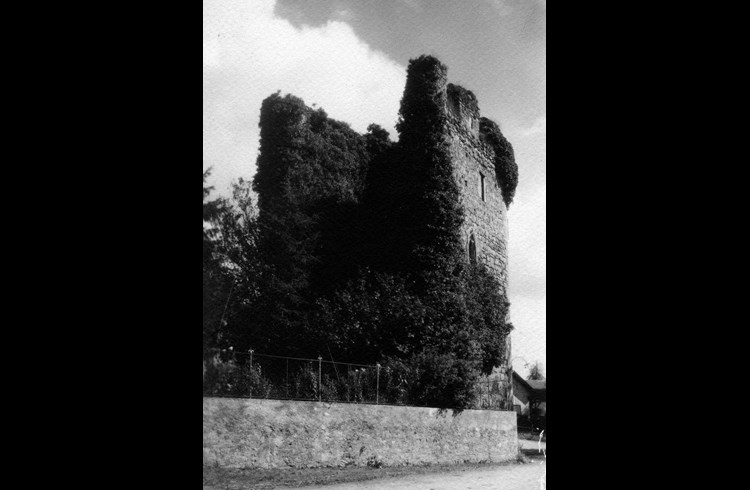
(512, 477)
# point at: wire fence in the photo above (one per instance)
(254, 375)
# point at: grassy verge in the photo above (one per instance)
(262, 479)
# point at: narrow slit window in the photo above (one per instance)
(481, 186)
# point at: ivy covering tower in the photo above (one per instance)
(389, 252)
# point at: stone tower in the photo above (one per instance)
(485, 229)
(486, 173)
(481, 160)
(423, 220)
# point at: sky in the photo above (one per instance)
(350, 57)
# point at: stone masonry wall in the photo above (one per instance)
(486, 219)
(248, 433)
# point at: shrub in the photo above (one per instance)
(506, 168)
(228, 378)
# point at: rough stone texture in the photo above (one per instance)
(486, 220)
(244, 433)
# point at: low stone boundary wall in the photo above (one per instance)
(249, 433)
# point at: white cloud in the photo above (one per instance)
(210, 53)
(248, 54)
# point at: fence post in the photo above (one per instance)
(509, 389)
(320, 366)
(377, 386)
(489, 394)
(251, 373)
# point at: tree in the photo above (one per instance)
(311, 173)
(237, 249)
(536, 372)
(216, 285)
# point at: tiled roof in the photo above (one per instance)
(537, 388)
(537, 384)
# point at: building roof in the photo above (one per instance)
(537, 388)
(537, 384)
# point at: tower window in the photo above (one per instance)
(472, 250)
(481, 186)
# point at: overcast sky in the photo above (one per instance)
(350, 57)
